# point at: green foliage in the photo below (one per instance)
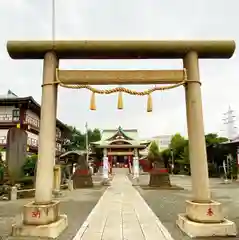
(154, 153)
(166, 153)
(26, 182)
(185, 154)
(94, 135)
(98, 153)
(1, 172)
(216, 152)
(179, 148)
(1, 151)
(30, 164)
(212, 139)
(2, 166)
(78, 139)
(177, 142)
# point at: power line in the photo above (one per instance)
(87, 141)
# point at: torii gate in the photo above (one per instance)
(203, 215)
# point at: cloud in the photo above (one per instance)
(121, 19)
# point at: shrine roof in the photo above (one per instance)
(102, 142)
(127, 135)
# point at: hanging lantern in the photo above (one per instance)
(149, 103)
(120, 100)
(92, 102)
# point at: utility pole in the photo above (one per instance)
(172, 157)
(86, 142)
(230, 120)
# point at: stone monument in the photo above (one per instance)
(16, 152)
(159, 176)
(82, 177)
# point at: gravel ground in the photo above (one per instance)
(166, 204)
(76, 204)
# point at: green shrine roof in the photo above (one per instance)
(109, 136)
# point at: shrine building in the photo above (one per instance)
(120, 146)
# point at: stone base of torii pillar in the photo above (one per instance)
(47, 218)
(205, 220)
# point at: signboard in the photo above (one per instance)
(136, 167)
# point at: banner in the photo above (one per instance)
(105, 167)
(136, 167)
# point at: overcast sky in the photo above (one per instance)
(128, 20)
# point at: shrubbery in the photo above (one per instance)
(29, 166)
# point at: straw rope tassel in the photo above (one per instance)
(92, 102)
(120, 100)
(149, 103)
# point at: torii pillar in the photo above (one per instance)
(203, 217)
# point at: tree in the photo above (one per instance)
(185, 155)
(179, 151)
(166, 156)
(177, 145)
(154, 155)
(213, 139)
(94, 135)
(77, 139)
(216, 151)
(30, 165)
(157, 178)
(153, 151)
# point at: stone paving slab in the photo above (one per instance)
(122, 214)
(76, 204)
(167, 204)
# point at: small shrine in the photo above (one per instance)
(120, 146)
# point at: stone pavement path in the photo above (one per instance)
(167, 204)
(122, 214)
